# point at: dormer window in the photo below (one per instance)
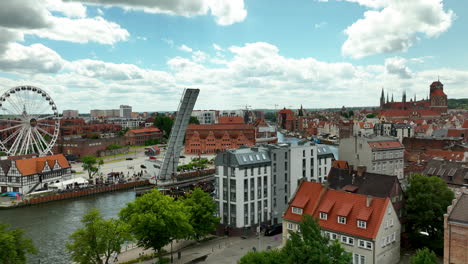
(323, 216)
(341, 219)
(361, 224)
(296, 210)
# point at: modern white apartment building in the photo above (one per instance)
(125, 111)
(205, 116)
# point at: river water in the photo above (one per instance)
(49, 225)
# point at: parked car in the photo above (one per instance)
(152, 157)
(182, 156)
(142, 166)
(274, 230)
(129, 158)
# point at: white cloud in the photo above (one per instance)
(30, 59)
(254, 73)
(185, 48)
(83, 30)
(395, 27)
(199, 56)
(397, 66)
(35, 17)
(226, 12)
(320, 25)
(217, 47)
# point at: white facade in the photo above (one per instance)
(125, 111)
(243, 187)
(205, 116)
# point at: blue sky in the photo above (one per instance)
(91, 54)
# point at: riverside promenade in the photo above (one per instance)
(223, 250)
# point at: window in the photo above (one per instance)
(359, 259)
(291, 226)
(392, 238)
(361, 224)
(303, 153)
(323, 216)
(391, 222)
(347, 240)
(341, 219)
(365, 244)
(296, 210)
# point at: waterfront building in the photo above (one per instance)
(378, 154)
(366, 226)
(25, 175)
(142, 135)
(70, 113)
(286, 164)
(214, 138)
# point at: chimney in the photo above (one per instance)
(368, 201)
(361, 170)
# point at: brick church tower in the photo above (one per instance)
(438, 98)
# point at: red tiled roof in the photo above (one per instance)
(230, 120)
(436, 83)
(438, 92)
(445, 154)
(369, 124)
(219, 127)
(326, 206)
(350, 188)
(341, 164)
(286, 111)
(408, 113)
(145, 130)
(36, 165)
(385, 144)
(307, 190)
(355, 204)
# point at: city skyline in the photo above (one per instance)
(321, 54)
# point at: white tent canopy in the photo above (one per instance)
(67, 182)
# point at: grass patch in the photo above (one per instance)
(78, 172)
(117, 155)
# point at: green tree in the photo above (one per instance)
(194, 120)
(202, 210)
(264, 257)
(424, 256)
(164, 123)
(271, 116)
(372, 115)
(156, 220)
(13, 246)
(98, 240)
(310, 246)
(91, 164)
(426, 203)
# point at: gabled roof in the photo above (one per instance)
(465, 124)
(341, 164)
(36, 165)
(460, 212)
(354, 206)
(385, 144)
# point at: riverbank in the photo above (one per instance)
(71, 194)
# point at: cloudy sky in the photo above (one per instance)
(92, 54)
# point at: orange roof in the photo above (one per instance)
(465, 124)
(341, 164)
(385, 144)
(353, 205)
(457, 132)
(308, 191)
(36, 165)
(438, 92)
(230, 120)
(145, 130)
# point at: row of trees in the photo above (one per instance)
(154, 220)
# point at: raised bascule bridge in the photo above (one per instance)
(163, 173)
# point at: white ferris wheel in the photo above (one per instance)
(29, 121)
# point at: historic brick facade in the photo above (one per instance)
(214, 138)
(456, 231)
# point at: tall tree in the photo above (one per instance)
(98, 240)
(202, 210)
(194, 120)
(91, 164)
(156, 219)
(424, 256)
(310, 246)
(13, 246)
(164, 123)
(426, 203)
